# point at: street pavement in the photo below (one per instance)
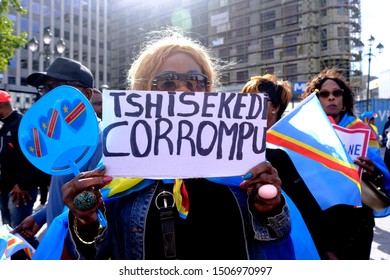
(380, 249)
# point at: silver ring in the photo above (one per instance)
(85, 200)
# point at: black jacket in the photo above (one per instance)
(14, 166)
(342, 229)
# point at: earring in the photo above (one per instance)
(344, 108)
(273, 112)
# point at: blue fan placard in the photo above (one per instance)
(60, 132)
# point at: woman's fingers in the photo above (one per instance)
(263, 175)
(82, 194)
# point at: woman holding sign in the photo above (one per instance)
(205, 218)
(354, 226)
(279, 95)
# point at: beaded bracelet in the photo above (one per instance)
(78, 236)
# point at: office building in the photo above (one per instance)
(82, 25)
(294, 39)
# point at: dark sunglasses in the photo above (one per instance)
(43, 89)
(170, 81)
(335, 93)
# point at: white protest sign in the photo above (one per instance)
(355, 142)
(182, 134)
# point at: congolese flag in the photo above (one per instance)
(308, 137)
(373, 153)
(11, 243)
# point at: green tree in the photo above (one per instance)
(8, 41)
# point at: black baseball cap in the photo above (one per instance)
(64, 69)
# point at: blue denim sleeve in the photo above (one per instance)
(40, 217)
(273, 227)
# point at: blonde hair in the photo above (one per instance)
(158, 46)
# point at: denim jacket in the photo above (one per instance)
(124, 238)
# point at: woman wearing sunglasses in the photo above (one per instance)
(349, 229)
(223, 222)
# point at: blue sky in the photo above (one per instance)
(376, 22)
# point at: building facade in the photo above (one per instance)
(294, 39)
(83, 25)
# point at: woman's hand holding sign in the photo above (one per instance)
(262, 176)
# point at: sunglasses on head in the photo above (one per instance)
(170, 81)
(267, 87)
(326, 93)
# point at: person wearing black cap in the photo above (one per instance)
(63, 71)
(19, 180)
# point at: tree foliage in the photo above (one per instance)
(8, 40)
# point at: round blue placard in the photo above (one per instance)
(60, 132)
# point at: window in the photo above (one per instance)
(324, 39)
(243, 58)
(290, 44)
(268, 26)
(268, 70)
(242, 49)
(323, 9)
(85, 39)
(223, 52)
(290, 72)
(242, 53)
(242, 22)
(267, 16)
(243, 31)
(342, 7)
(225, 79)
(241, 5)
(242, 76)
(343, 44)
(267, 47)
(342, 31)
(343, 41)
(267, 21)
(290, 15)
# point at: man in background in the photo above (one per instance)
(62, 71)
(19, 179)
